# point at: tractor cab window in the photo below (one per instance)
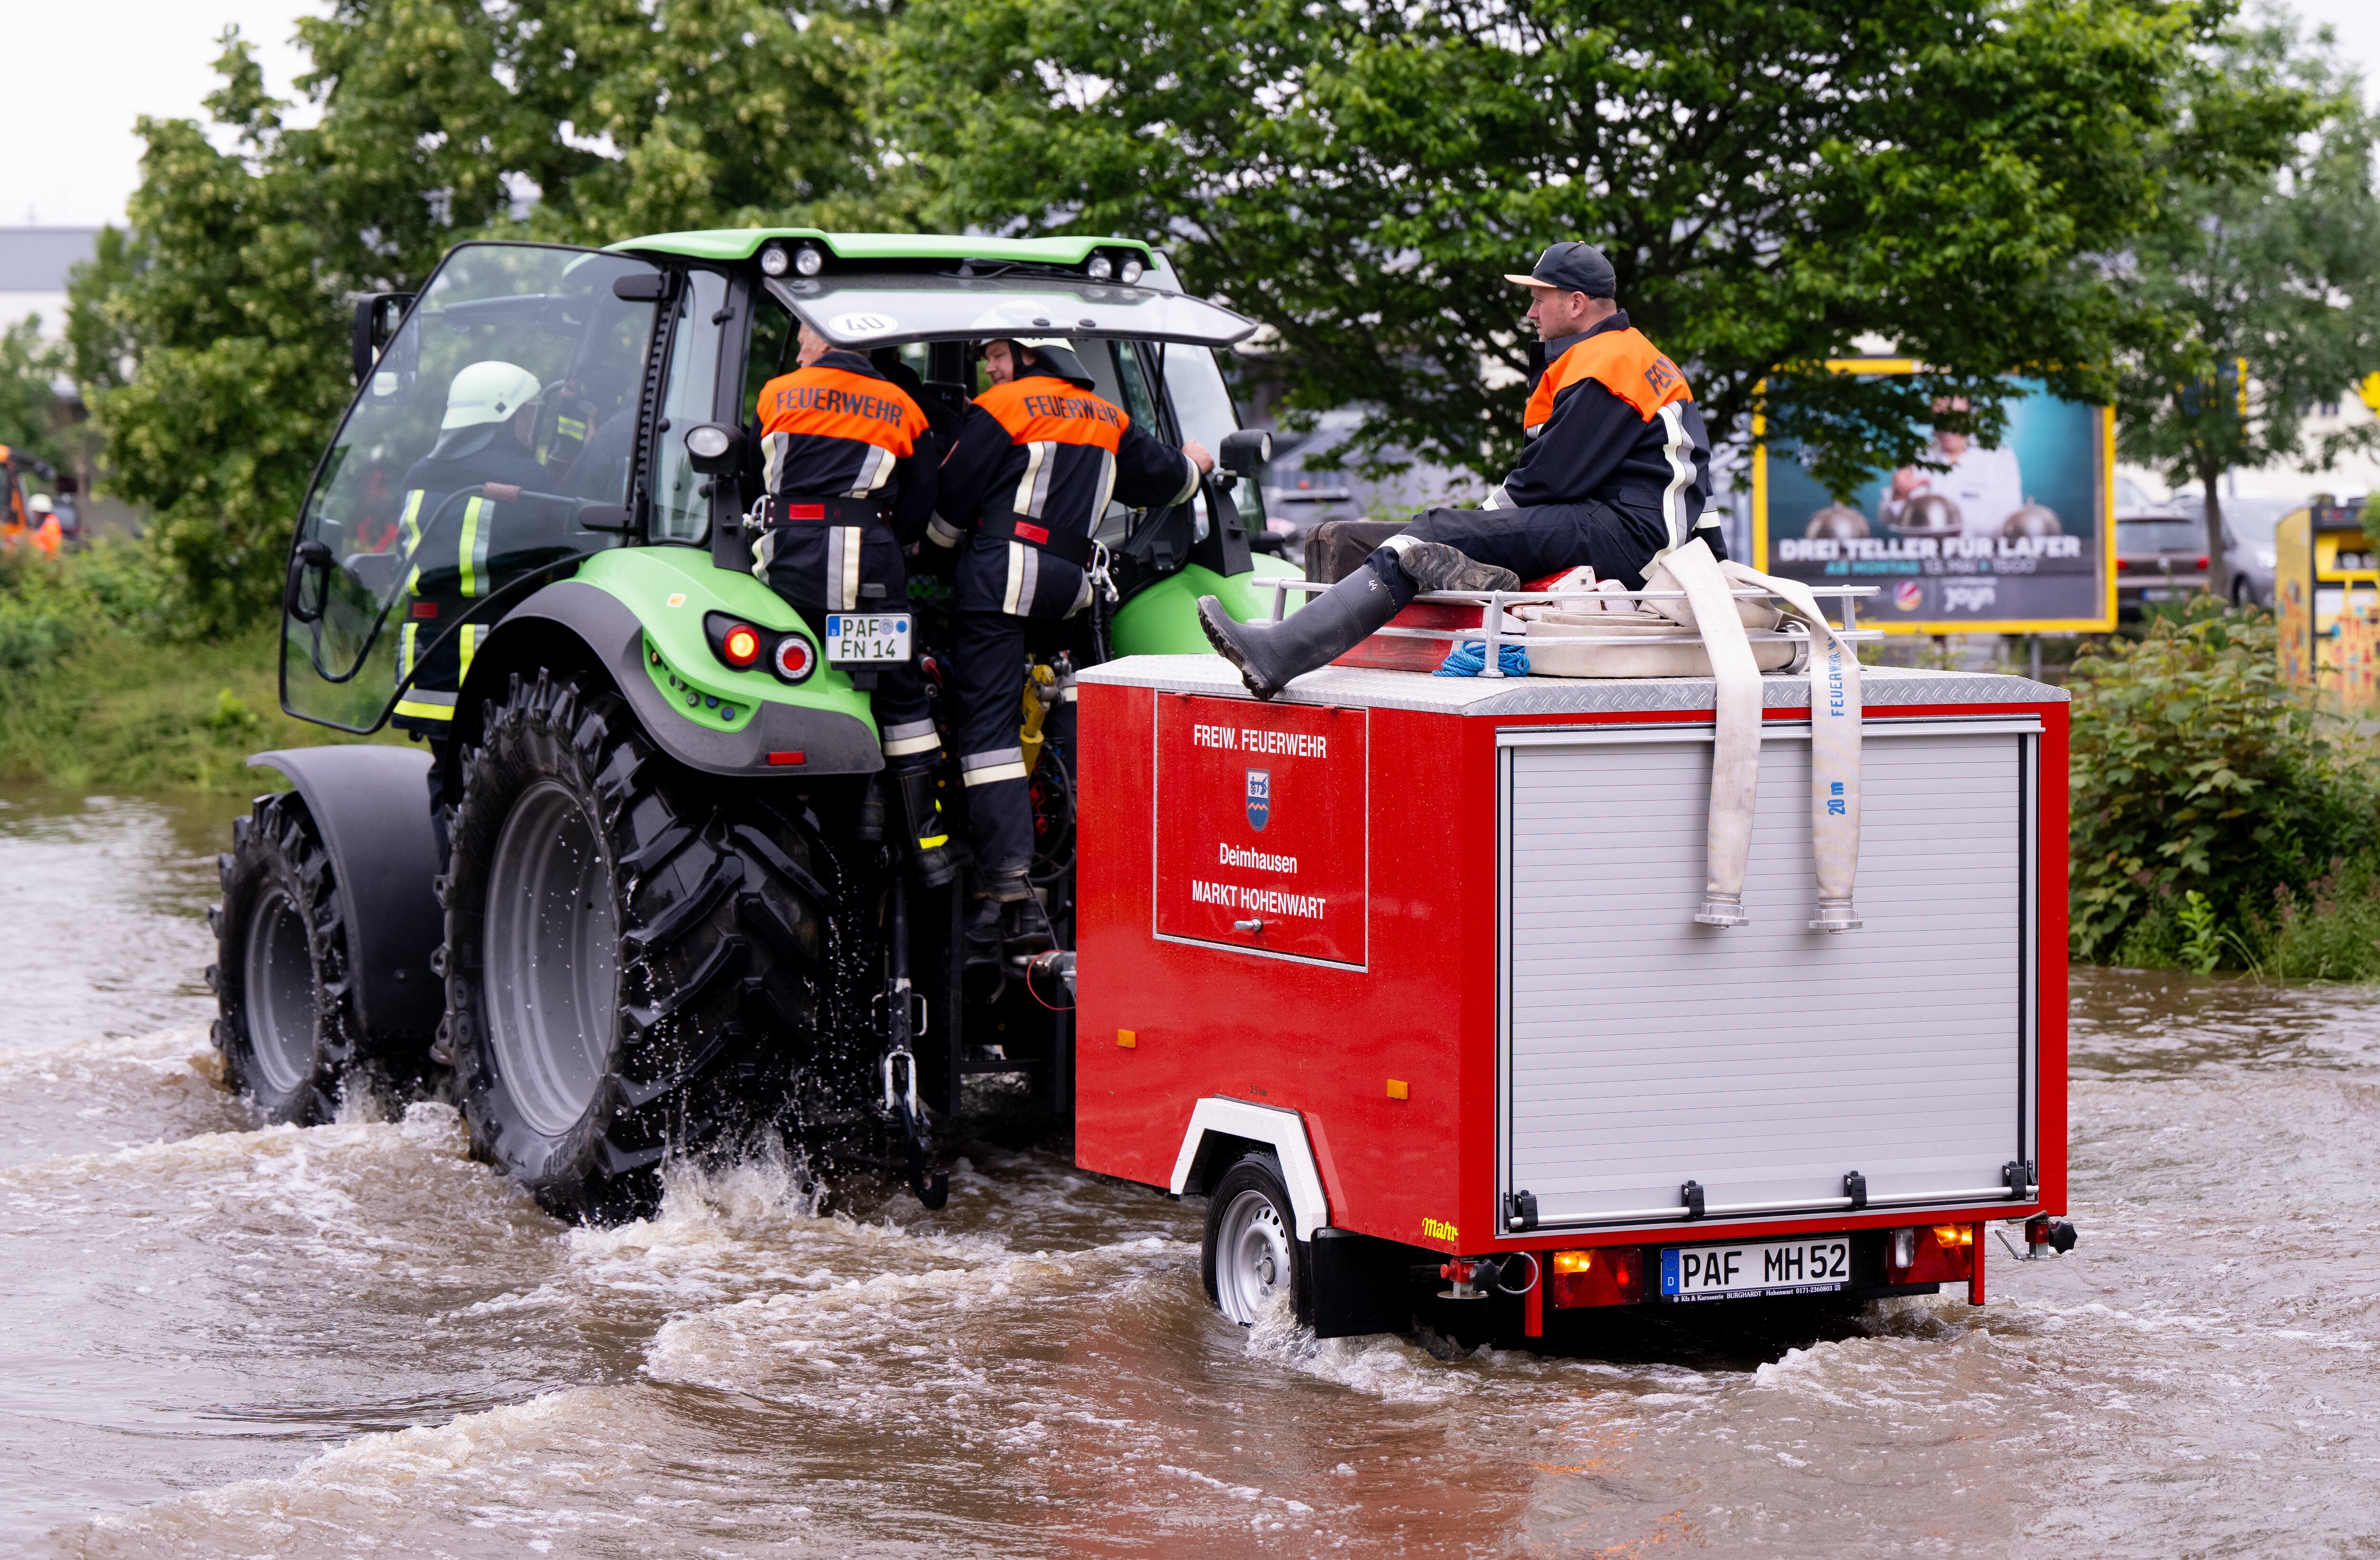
(492, 445)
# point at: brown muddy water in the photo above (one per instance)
(217, 1337)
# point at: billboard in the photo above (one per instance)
(2014, 540)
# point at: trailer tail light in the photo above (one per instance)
(1606, 1275)
(2202, 560)
(1932, 1254)
(741, 647)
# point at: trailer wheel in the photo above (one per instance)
(633, 950)
(1251, 1255)
(280, 971)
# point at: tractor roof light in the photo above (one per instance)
(809, 260)
(774, 261)
(1130, 274)
(741, 648)
(1100, 268)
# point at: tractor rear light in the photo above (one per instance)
(740, 648)
(2202, 560)
(784, 761)
(1933, 1253)
(1606, 1275)
(794, 659)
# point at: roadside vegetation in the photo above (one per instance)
(2221, 819)
(99, 692)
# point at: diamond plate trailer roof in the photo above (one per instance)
(743, 243)
(1880, 686)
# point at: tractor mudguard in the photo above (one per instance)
(372, 805)
(655, 664)
(1162, 618)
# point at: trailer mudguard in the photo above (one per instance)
(821, 738)
(371, 804)
(1216, 1121)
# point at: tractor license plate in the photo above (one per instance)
(866, 639)
(1773, 1267)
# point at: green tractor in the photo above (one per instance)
(633, 895)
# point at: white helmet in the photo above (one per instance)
(40, 504)
(488, 392)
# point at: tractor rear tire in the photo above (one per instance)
(635, 954)
(284, 1022)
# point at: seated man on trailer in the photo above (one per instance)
(851, 467)
(1615, 474)
(1035, 462)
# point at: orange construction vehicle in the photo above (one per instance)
(27, 520)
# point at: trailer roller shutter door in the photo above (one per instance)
(1641, 1051)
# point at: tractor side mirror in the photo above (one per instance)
(1244, 450)
(714, 448)
(377, 317)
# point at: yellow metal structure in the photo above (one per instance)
(2327, 592)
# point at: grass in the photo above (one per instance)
(122, 712)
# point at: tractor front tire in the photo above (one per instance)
(634, 952)
(283, 1020)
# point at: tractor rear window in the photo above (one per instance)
(500, 418)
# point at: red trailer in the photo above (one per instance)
(1401, 969)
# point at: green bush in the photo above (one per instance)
(2195, 769)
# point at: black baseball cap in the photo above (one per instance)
(1572, 267)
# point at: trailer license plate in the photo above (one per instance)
(867, 638)
(1776, 1267)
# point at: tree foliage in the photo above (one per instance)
(2260, 290)
(210, 332)
(1773, 182)
(29, 368)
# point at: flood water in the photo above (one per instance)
(225, 1338)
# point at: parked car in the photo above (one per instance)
(2245, 573)
(2158, 558)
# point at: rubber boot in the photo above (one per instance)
(1004, 919)
(1328, 626)
(924, 831)
(1434, 565)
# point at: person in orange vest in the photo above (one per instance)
(1023, 487)
(48, 535)
(1615, 474)
(850, 464)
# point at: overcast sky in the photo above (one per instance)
(84, 70)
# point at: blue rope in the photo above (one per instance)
(1470, 659)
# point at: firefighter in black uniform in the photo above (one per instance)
(1615, 475)
(1023, 487)
(483, 463)
(851, 468)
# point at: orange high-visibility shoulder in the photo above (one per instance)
(1624, 362)
(1040, 410)
(837, 403)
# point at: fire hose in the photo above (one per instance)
(1710, 609)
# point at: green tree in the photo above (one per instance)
(211, 332)
(2259, 290)
(1773, 181)
(28, 402)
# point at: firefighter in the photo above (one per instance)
(486, 446)
(1035, 462)
(850, 464)
(1615, 474)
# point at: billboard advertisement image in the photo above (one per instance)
(2015, 539)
